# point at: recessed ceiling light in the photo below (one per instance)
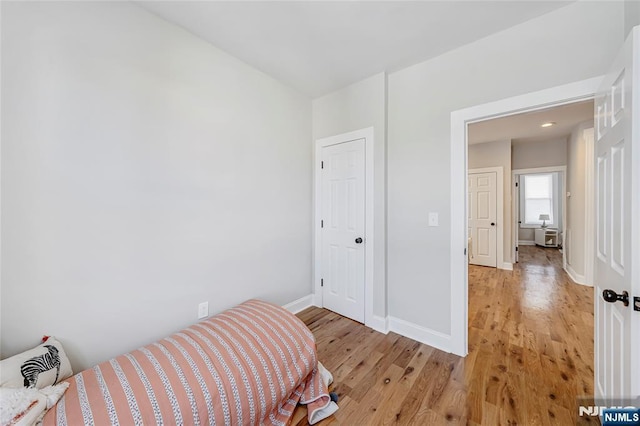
(548, 124)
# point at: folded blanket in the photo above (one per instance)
(27, 406)
(324, 409)
(250, 365)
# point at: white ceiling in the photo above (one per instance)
(320, 46)
(525, 128)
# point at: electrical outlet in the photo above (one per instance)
(203, 310)
(433, 219)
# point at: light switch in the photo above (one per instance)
(433, 219)
(203, 310)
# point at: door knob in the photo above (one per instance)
(358, 240)
(612, 297)
(493, 224)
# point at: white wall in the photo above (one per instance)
(576, 203)
(496, 154)
(530, 155)
(143, 171)
(631, 15)
(359, 106)
(573, 43)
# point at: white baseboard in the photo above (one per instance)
(420, 334)
(380, 324)
(526, 243)
(506, 266)
(300, 304)
(316, 300)
(385, 324)
(577, 278)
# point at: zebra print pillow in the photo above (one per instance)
(44, 365)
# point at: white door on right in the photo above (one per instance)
(482, 218)
(617, 262)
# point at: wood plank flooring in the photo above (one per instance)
(530, 356)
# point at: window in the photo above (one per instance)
(538, 196)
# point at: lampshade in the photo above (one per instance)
(544, 217)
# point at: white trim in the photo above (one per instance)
(300, 304)
(575, 277)
(499, 171)
(317, 300)
(561, 195)
(550, 169)
(0, 161)
(367, 135)
(515, 215)
(507, 266)
(487, 170)
(526, 243)
(589, 205)
(555, 96)
(635, 206)
(380, 324)
(420, 334)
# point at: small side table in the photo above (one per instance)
(546, 237)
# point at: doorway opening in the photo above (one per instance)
(540, 208)
(518, 314)
(460, 121)
(541, 151)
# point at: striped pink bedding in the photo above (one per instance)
(246, 366)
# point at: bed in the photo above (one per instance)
(252, 364)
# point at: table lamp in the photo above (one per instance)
(544, 218)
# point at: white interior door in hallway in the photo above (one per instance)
(482, 218)
(617, 259)
(343, 228)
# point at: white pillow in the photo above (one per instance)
(27, 406)
(37, 367)
(21, 406)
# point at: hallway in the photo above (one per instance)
(532, 330)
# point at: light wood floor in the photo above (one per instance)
(530, 356)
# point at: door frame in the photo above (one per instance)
(589, 205)
(561, 194)
(460, 119)
(367, 135)
(500, 263)
(515, 218)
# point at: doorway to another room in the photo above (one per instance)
(546, 160)
(612, 166)
(525, 312)
(539, 208)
